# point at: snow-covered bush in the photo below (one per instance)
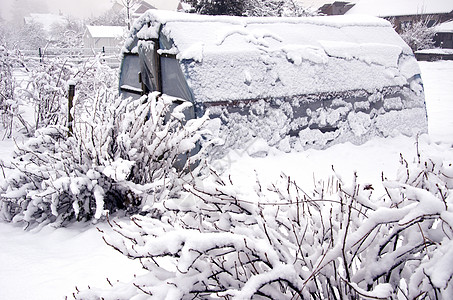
(283, 243)
(418, 34)
(10, 117)
(121, 156)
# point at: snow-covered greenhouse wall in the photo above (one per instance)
(294, 82)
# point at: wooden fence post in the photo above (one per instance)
(40, 55)
(71, 95)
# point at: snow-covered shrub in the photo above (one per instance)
(10, 117)
(418, 34)
(47, 91)
(48, 83)
(95, 84)
(255, 8)
(30, 36)
(283, 243)
(122, 156)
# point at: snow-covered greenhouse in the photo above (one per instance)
(294, 82)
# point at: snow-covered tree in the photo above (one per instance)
(68, 34)
(276, 8)
(128, 5)
(6, 87)
(418, 34)
(280, 242)
(10, 118)
(256, 8)
(31, 36)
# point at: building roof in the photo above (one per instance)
(314, 5)
(232, 58)
(445, 27)
(141, 7)
(106, 31)
(392, 8)
(165, 4)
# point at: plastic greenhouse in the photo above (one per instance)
(297, 82)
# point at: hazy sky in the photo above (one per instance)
(76, 8)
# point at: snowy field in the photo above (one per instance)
(48, 264)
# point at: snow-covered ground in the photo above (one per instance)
(48, 264)
(371, 159)
(438, 82)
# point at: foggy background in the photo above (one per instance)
(15, 10)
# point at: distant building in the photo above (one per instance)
(97, 37)
(139, 7)
(406, 11)
(173, 5)
(444, 35)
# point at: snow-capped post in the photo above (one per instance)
(40, 54)
(71, 94)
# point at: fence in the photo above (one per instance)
(434, 54)
(109, 55)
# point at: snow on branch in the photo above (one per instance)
(418, 34)
(124, 155)
(337, 242)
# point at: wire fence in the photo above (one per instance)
(109, 55)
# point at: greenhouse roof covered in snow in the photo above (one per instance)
(233, 58)
(343, 76)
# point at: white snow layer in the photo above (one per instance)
(390, 8)
(235, 58)
(106, 31)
